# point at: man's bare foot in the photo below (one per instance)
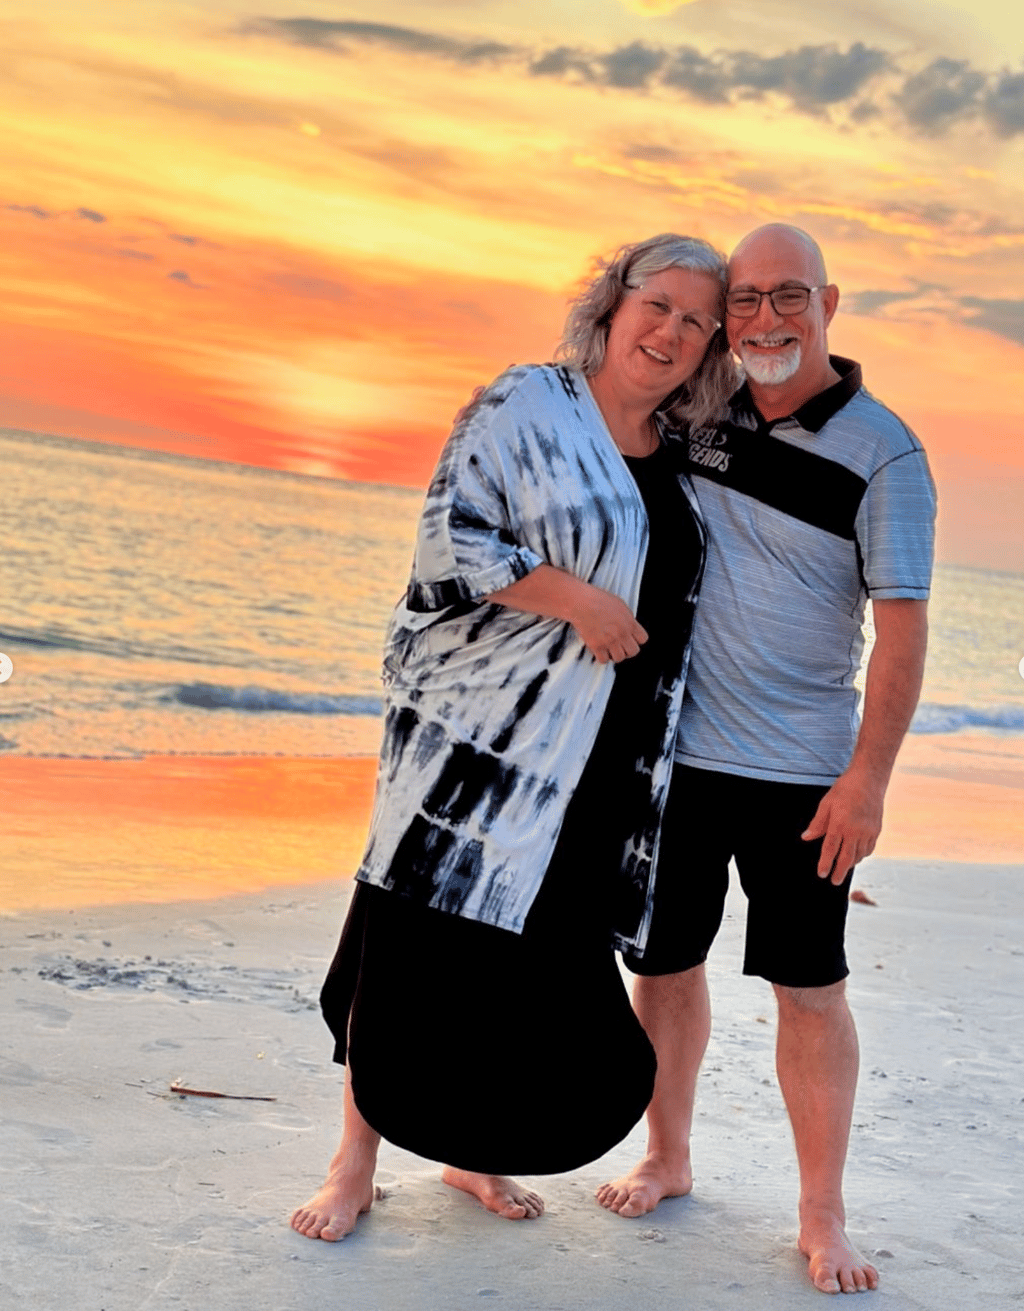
(345, 1195)
(643, 1188)
(497, 1192)
(835, 1264)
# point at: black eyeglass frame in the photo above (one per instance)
(775, 291)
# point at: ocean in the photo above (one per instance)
(160, 604)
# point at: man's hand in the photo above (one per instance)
(849, 818)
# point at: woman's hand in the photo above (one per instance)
(606, 625)
(604, 621)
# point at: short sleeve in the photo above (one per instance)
(465, 546)
(895, 528)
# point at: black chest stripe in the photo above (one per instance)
(796, 482)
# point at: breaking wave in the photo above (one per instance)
(266, 700)
(933, 718)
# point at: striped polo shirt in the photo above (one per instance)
(808, 516)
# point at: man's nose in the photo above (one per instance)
(767, 316)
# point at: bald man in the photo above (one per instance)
(816, 498)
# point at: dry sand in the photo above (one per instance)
(121, 1196)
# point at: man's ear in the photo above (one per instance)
(829, 301)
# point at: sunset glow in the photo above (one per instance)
(300, 239)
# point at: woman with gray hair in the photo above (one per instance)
(534, 674)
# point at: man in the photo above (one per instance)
(815, 497)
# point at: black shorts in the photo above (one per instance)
(795, 920)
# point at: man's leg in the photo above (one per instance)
(817, 1059)
(675, 1011)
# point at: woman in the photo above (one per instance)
(534, 671)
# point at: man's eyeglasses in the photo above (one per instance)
(784, 300)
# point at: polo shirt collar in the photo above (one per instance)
(815, 413)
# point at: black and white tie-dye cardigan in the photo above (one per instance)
(491, 713)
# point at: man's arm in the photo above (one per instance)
(849, 817)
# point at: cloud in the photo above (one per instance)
(180, 275)
(872, 299)
(323, 33)
(34, 210)
(1005, 317)
(940, 94)
(1004, 104)
(632, 66)
(562, 60)
(812, 75)
(91, 215)
(127, 253)
(864, 81)
(185, 240)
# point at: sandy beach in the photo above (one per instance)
(122, 1195)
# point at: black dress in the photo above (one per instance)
(520, 1053)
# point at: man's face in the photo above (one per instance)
(779, 347)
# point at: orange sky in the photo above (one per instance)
(298, 237)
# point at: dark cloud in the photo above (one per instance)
(705, 78)
(1004, 104)
(814, 79)
(871, 299)
(34, 210)
(632, 66)
(813, 76)
(323, 33)
(91, 215)
(183, 238)
(947, 90)
(864, 112)
(1005, 317)
(562, 60)
(180, 275)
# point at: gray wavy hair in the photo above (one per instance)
(590, 313)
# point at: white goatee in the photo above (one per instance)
(770, 370)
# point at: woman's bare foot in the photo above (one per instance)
(835, 1264)
(345, 1195)
(643, 1188)
(497, 1192)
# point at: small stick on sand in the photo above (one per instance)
(862, 897)
(177, 1087)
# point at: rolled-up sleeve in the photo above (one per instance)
(466, 547)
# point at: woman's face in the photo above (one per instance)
(660, 333)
